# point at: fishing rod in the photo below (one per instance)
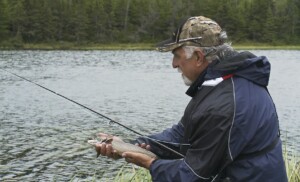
(95, 112)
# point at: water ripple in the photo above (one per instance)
(43, 137)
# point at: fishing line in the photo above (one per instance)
(99, 114)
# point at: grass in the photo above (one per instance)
(292, 163)
(127, 46)
(132, 173)
(265, 47)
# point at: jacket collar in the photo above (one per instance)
(196, 84)
(244, 64)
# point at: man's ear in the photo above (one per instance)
(200, 57)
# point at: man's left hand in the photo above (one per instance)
(138, 159)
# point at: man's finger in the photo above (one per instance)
(116, 155)
(129, 156)
(148, 147)
(143, 145)
(138, 159)
(103, 149)
(126, 154)
(109, 151)
(98, 149)
(134, 155)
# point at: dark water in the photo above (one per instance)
(43, 137)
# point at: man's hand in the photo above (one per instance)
(143, 145)
(106, 149)
(138, 159)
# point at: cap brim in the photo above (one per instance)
(167, 45)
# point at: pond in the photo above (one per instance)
(43, 137)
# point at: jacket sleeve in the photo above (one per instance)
(209, 143)
(170, 137)
(205, 156)
(173, 170)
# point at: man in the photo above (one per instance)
(230, 129)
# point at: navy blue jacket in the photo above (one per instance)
(229, 128)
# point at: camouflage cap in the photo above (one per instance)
(196, 31)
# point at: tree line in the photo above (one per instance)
(131, 21)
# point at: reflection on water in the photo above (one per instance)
(43, 137)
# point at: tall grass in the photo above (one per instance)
(292, 164)
(131, 173)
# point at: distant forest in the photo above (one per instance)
(144, 21)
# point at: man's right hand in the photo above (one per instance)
(105, 149)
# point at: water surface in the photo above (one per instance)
(43, 137)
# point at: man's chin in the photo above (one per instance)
(186, 81)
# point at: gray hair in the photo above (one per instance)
(220, 52)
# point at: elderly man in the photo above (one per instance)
(229, 130)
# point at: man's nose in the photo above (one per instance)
(174, 63)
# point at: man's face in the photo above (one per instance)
(190, 68)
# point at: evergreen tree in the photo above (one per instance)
(16, 19)
(97, 19)
(3, 20)
(269, 32)
(103, 21)
(230, 16)
(293, 17)
(78, 22)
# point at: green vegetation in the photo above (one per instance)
(132, 173)
(138, 24)
(292, 163)
(90, 46)
(266, 47)
(131, 46)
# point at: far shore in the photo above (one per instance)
(131, 46)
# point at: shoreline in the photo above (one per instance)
(131, 46)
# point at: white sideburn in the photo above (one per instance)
(186, 81)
